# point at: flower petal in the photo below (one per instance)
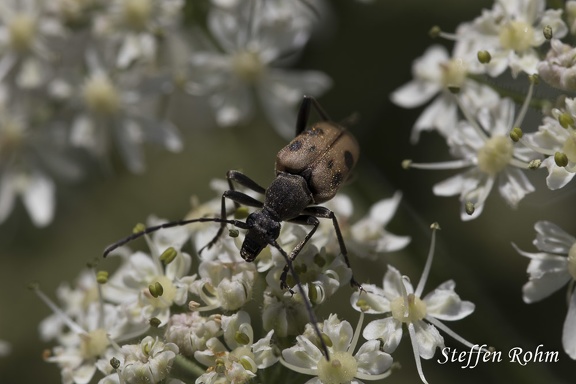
(444, 304)
(553, 239)
(39, 200)
(371, 359)
(428, 339)
(389, 330)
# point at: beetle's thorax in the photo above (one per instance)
(287, 196)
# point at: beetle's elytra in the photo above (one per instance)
(324, 156)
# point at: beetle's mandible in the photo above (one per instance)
(309, 171)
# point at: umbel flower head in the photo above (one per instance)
(406, 308)
(484, 146)
(368, 363)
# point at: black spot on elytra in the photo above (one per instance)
(315, 131)
(330, 164)
(348, 159)
(336, 179)
(295, 145)
(312, 148)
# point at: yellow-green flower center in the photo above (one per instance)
(495, 155)
(341, 368)
(454, 73)
(572, 261)
(136, 13)
(517, 35)
(416, 309)
(22, 31)
(94, 343)
(166, 299)
(247, 66)
(101, 95)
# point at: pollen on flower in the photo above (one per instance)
(22, 31)
(416, 309)
(100, 95)
(517, 35)
(454, 73)
(572, 261)
(247, 65)
(341, 368)
(136, 13)
(168, 293)
(495, 155)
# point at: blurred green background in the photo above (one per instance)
(367, 49)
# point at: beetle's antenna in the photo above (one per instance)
(145, 231)
(305, 297)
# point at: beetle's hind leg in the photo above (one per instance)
(304, 113)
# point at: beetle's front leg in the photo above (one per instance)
(238, 198)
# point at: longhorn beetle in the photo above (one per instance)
(309, 171)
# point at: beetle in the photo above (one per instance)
(309, 171)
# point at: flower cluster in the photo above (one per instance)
(97, 77)
(194, 311)
(476, 113)
(482, 127)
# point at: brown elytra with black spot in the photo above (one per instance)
(323, 155)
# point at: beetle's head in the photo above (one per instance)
(262, 230)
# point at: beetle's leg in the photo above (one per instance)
(304, 113)
(243, 180)
(302, 220)
(238, 198)
(325, 213)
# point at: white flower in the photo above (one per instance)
(151, 284)
(242, 359)
(557, 135)
(30, 153)
(510, 32)
(113, 108)
(368, 363)
(436, 74)
(135, 25)
(227, 286)
(406, 307)
(558, 68)
(484, 146)
(190, 331)
(551, 269)
(25, 31)
(368, 238)
(85, 345)
(150, 361)
(253, 44)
